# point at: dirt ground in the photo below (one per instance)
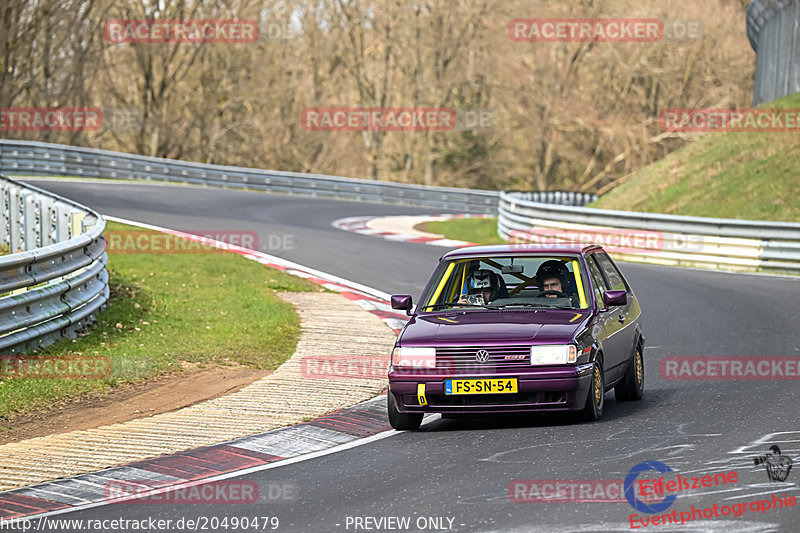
(130, 401)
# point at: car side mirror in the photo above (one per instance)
(402, 302)
(615, 298)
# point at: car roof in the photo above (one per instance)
(521, 250)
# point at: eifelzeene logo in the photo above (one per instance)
(776, 464)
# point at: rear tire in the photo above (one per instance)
(401, 421)
(631, 388)
(595, 400)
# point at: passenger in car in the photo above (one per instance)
(483, 282)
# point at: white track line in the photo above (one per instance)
(268, 466)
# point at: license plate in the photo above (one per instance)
(480, 386)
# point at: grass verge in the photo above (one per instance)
(730, 175)
(167, 310)
(751, 176)
(477, 230)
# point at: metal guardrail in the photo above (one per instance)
(46, 159)
(773, 28)
(577, 199)
(655, 238)
(35, 158)
(54, 279)
(722, 243)
(56, 273)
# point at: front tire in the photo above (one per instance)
(595, 400)
(401, 421)
(631, 388)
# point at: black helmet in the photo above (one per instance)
(552, 269)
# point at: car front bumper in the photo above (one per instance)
(540, 389)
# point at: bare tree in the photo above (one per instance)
(574, 115)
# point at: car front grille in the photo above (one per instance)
(464, 357)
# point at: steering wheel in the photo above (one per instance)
(551, 292)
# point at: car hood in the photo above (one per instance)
(494, 327)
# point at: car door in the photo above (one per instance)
(604, 324)
(622, 317)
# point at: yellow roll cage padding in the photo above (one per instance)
(446, 277)
(442, 283)
(578, 283)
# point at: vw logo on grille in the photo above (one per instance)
(482, 356)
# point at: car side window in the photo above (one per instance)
(598, 282)
(615, 280)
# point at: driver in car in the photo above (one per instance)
(483, 283)
(551, 277)
(551, 284)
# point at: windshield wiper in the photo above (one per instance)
(520, 304)
(456, 305)
(528, 304)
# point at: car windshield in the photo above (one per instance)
(506, 283)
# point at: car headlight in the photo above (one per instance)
(553, 354)
(414, 357)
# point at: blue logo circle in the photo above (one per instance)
(638, 504)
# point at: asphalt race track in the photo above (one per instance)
(457, 472)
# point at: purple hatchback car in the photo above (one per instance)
(517, 328)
